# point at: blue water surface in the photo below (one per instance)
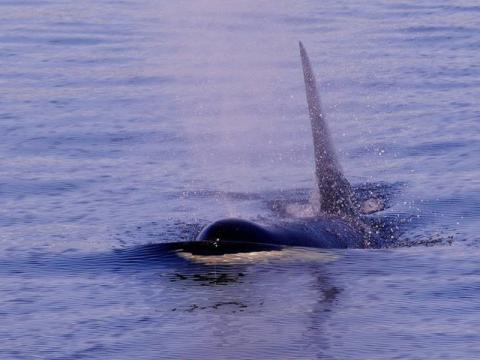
(127, 123)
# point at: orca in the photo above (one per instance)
(338, 221)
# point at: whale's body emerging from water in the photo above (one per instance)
(338, 223)
(320, 232)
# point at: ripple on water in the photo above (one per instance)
(137, 122)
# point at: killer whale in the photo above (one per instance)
(320, 232)
(338, 222)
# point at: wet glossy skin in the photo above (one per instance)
(320, 233)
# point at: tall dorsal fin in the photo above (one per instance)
(336, 196)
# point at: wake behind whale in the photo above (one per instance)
(338, 221)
